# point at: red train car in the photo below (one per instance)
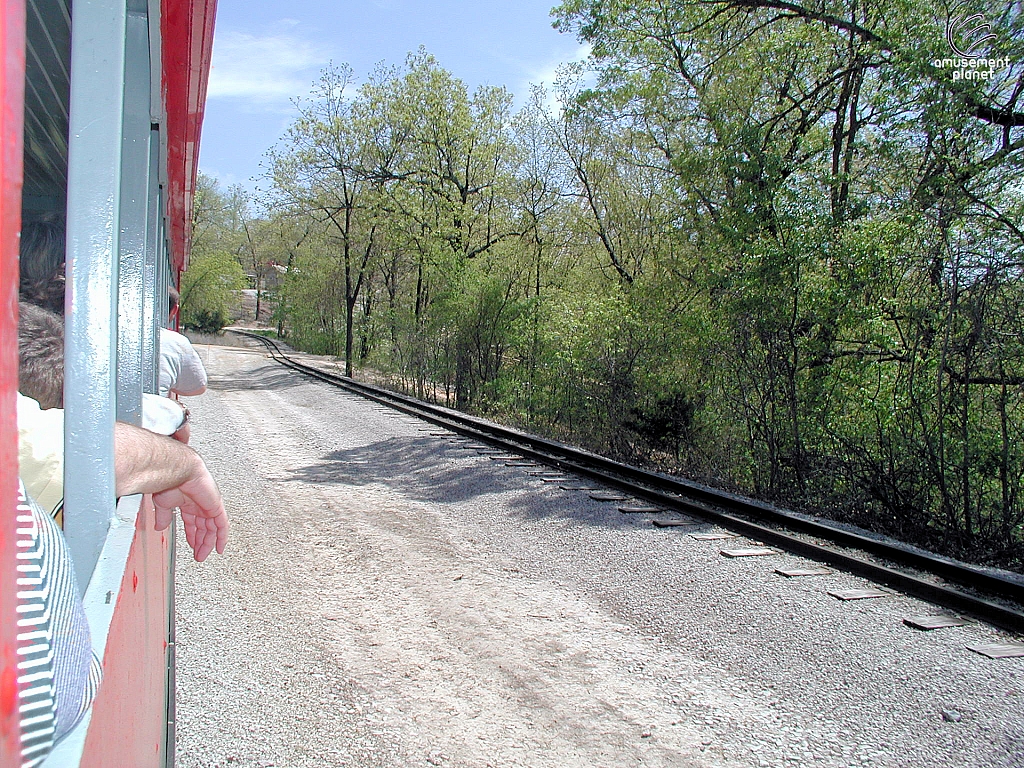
(102, 105)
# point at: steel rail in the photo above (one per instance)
(737, 513)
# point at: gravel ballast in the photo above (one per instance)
(394, 598)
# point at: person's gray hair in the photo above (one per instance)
(41, 355)
(41, 262)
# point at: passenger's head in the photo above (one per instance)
(41, 355)
(42, 262)
(173, 305)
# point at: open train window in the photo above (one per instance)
(106, 129)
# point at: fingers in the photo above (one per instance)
(202, 514)
(222, 535)
(189, 521)
(196, 534)
(163, 516)
(210, 535)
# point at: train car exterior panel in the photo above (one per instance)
(187, 46)
(12, 84)
(128, 724)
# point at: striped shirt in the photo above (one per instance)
(58, 673)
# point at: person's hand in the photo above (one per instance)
(145, 462)
(183, 433)
(202, 512)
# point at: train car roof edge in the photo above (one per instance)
(187, 46)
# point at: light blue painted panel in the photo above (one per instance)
(94, 177)
(135, 166)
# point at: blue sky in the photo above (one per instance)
(267, 53)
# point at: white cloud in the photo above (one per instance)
(264, 69)
(547, 74)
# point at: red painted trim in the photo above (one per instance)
(12, 94)
(187, 33)
(129, 716)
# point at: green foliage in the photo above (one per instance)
(315, 305)
(769, 246)
(208, 291)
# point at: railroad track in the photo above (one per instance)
(948, 583)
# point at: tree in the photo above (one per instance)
(208, 290)
(771, 246)
(836, 176)
(321, 173)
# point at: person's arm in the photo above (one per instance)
(190, 393)
(145, 462)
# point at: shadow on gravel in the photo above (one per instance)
(268, 377)
(411, 466)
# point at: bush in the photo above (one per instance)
(208, 290)
(207, 320)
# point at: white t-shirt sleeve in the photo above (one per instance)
(161, 414)
(181, 370)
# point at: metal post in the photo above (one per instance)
(98, 30)
(151, 307)
(133, 298)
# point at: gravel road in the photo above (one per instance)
(393, 598)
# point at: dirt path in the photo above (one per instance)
(391, 600)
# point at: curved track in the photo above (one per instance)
(890, 564)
